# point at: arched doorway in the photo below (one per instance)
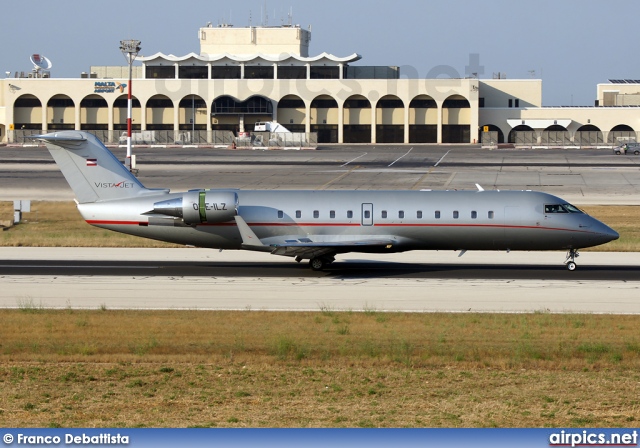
(588, 135)
(159, 113)
(292, 113)
(357, 120)
(621, 134)
(390, 120)
(192, 119)
(27, 113)
(456, 120)
(324, 118)
(523, 135)
(555, 135)
(423, 120)
(229, 114)
(493, 135)
(94, 113)
(61, 113)
(120, 106)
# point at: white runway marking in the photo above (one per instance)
(404, 155)
(442, 158)
(353, 160)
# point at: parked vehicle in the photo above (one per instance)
(627, 148)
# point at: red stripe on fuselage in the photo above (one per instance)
(278, 224)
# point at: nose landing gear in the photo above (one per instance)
(570, 262)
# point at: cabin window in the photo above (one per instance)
(332, 214)
(298, 214)
(456, 214)
(349, 214)
(316, 214)
(280, 214)
(490, 215)
(384, 214)
(419, 214)
(437, 214)
(474, 215)
(401, 214)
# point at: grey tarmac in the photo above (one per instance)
(531, 291)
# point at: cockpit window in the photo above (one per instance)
(554, 208)
(572, 208)
(561, 208)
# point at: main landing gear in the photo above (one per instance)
(570, 261)
(319, 263)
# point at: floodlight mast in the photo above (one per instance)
(130, 49)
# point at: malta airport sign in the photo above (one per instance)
(108, 87)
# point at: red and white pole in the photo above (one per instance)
(130, 49)
(127, 162)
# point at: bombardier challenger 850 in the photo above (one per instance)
(318, 225)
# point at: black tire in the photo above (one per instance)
(636, 152)
(571, 266)
(618, 153)
(317, 264)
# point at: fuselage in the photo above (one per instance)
(412, 220)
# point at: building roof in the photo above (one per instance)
(248, 58)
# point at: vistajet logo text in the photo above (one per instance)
(122, 184)
(588, 438)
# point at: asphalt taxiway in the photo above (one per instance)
(415, 281)
(580, 176)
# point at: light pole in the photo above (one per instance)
(130, 49)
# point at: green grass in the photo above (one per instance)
(273, 369)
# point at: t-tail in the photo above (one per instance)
(92, 171)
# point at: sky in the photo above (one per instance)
(572, 45)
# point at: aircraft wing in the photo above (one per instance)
(303, 246)
(313, 249)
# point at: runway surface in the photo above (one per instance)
(416, 281)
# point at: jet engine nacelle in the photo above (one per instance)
(200, 206)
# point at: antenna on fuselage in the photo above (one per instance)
(479, 187)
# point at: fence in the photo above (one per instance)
(278, 140)
(162, 137)
(566, 138)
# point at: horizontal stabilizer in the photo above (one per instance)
(68, 136)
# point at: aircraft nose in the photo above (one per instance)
(607, 232)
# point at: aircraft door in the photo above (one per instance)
(367, 214)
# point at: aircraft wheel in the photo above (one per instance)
(571, 266)
(317, 264)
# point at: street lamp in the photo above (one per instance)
(130, 49)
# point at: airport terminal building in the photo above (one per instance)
(265, 74)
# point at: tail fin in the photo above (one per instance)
(92, 171)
